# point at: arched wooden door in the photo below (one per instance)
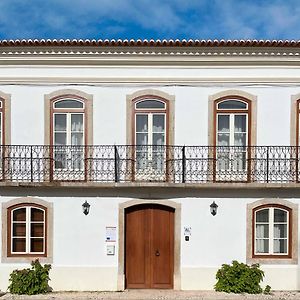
(149, 246)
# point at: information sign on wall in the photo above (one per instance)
(111, 234)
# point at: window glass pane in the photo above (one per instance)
(36, 245)
(19, 214)
(239, 161)
(223, 160)
(76, 139)
(280, 216)
(77, 160)
(141, 159)
(240, 123)
(0, 104)
(280, 231)
(262, 216)
(141, 139)
(158, 139)
(223, 139)
(141, 123)
(240, 139)
(232, 104)
(262, 246)
(60, 160)
(60, 122)
(223, 123)
(60, 139)
(37, 214)
(158, 161)
(19, 229)
(68, 103)
(158, 123)
(77, 122)
(19, 245)
(0, 128)
(37, 230)
(150, 104)
(280, 246)
(262, 230)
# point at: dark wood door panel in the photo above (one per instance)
(149, 246)
(162, 248)
(137, 251)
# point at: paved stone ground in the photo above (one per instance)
(154, 295)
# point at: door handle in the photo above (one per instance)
(157, 253)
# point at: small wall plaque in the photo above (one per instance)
(110, 250)
(111, 233)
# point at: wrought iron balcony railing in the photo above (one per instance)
(172, 164)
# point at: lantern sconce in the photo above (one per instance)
(86, 207)
(213, 208)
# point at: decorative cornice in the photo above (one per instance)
(148, 43)
(149, 52)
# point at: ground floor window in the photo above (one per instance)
(272, 232)
(27, 229)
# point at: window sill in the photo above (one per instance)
(272, 260)
(26, 259)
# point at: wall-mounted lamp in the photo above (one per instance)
(213, 208)
(86, 207)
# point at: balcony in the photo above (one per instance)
(156, 164)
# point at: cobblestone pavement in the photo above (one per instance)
(154, 295)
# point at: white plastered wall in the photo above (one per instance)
(80, 261)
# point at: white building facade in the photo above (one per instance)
(149, 134)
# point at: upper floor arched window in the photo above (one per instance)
(1, 121)
(298, 123)
(150, 135)
(68, 122)
(150, 121)
(232, 115)
(232, 126)
(68, 135)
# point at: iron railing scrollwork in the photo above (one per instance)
(151, 163)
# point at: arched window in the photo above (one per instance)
(150, 134)
(1, 121)
(150, 122)
(232, 136)
(298, 124)
(68, 122)
(232, 122)
(272, 231)
(27, 230)
(68, 136)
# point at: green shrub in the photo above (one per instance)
(239, 278)
(30, 281)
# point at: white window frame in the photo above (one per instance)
(69, 112)
(150, 126)
(68, 127)
(1, 123)
(228, 159)
(271, 231)
(231, 127)
(28, 236)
